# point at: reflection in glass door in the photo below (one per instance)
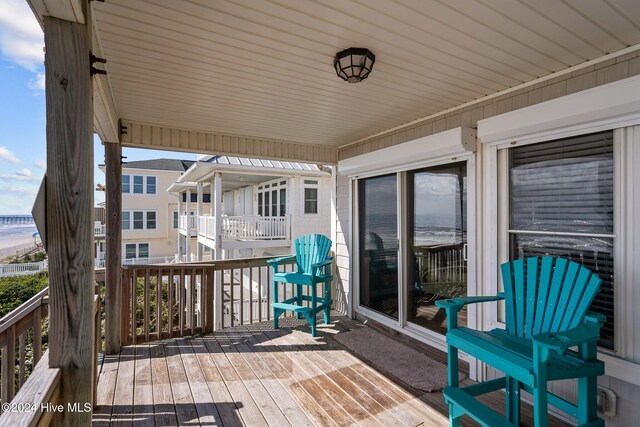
(437, 243)
(378, 242)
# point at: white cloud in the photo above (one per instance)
(21, 38)
(7, 155)
(21, 191)
(37, 84)
(22, 175)
(40, 164)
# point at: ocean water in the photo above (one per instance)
(13, 230)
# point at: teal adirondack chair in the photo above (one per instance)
(313, 267)
(545, 315)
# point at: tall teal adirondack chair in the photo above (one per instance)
(546, 314)
(312, 268)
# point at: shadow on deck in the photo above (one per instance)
(257, 376)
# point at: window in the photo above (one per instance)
(561, 203)
(140, 220)
(310, 196)
(206, 198)
(126, 220)
(151, 185)
(151, 220)
(175, 219)
(272, 200)
(138, 184)
(126, 184)
(136, 250)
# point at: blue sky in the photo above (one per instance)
(23, 113)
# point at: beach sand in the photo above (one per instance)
(9, 245)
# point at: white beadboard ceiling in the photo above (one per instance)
(264, 68)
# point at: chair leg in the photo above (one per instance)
(312, 314)
(327, 297)
(452, 364)
(513, 401)
(298, 300)
(588, 390)
(454, 421)
(540, 399)
(276, 314)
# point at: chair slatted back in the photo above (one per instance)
(311, 249)
(555, 300)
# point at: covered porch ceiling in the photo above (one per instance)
(256, 77)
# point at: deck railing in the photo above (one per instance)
(23, 268)
(161, 301)
(22, 328)
(99, 230)
(256, 227)
(188, 221)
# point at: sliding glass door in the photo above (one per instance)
(378, 243)
(436, 243)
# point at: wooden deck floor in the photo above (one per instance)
(256, 376)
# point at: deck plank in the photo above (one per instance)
(256, 376)
(122, 411)
(143, 390)
(247, 407)
(204, 403)
(106, 390)
(163, 407)
(183, 399)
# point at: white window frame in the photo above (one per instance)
(276, 185)
(315, 186)
(137, 245)
(175, 219)
(144, 219)
(145, 189)
(612, 106)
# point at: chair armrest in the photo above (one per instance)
(277, 261)
(327, 261)
(596, 318)
(561, 341)
(457, 303)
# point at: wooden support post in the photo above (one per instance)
(179, 241)
(199, 213)
(113, 255)
(188, 239)
(70, 164)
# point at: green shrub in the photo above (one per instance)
(15, 290)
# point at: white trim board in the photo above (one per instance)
(609, 106)
(448, 144)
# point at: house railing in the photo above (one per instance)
(161, 301)
(24, 328)
(188, 222)
(99, 230)
(256, 227)
(100, 263)
(23, 268)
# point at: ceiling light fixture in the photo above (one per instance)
(354, 64)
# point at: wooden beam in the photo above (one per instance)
(70, 212)
(144, 135)
(113, 251)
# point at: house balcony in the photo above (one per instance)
(243, 232)
(188, 225)
(99, 230)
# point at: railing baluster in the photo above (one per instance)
(159, 303)
(250, 294)
(9, 366)
(259, 294)
(231, 311)
(268, 307)
(171, 295)
(37, 335)
(181, 305)
(241, 283)
(192, 301)
(147, 280)
(21, 358)
(221, 302)
(134, 307)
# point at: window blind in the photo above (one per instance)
(561, 204)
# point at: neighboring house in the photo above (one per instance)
(264, 205)
(149, 213)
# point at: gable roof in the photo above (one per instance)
(160, 164)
